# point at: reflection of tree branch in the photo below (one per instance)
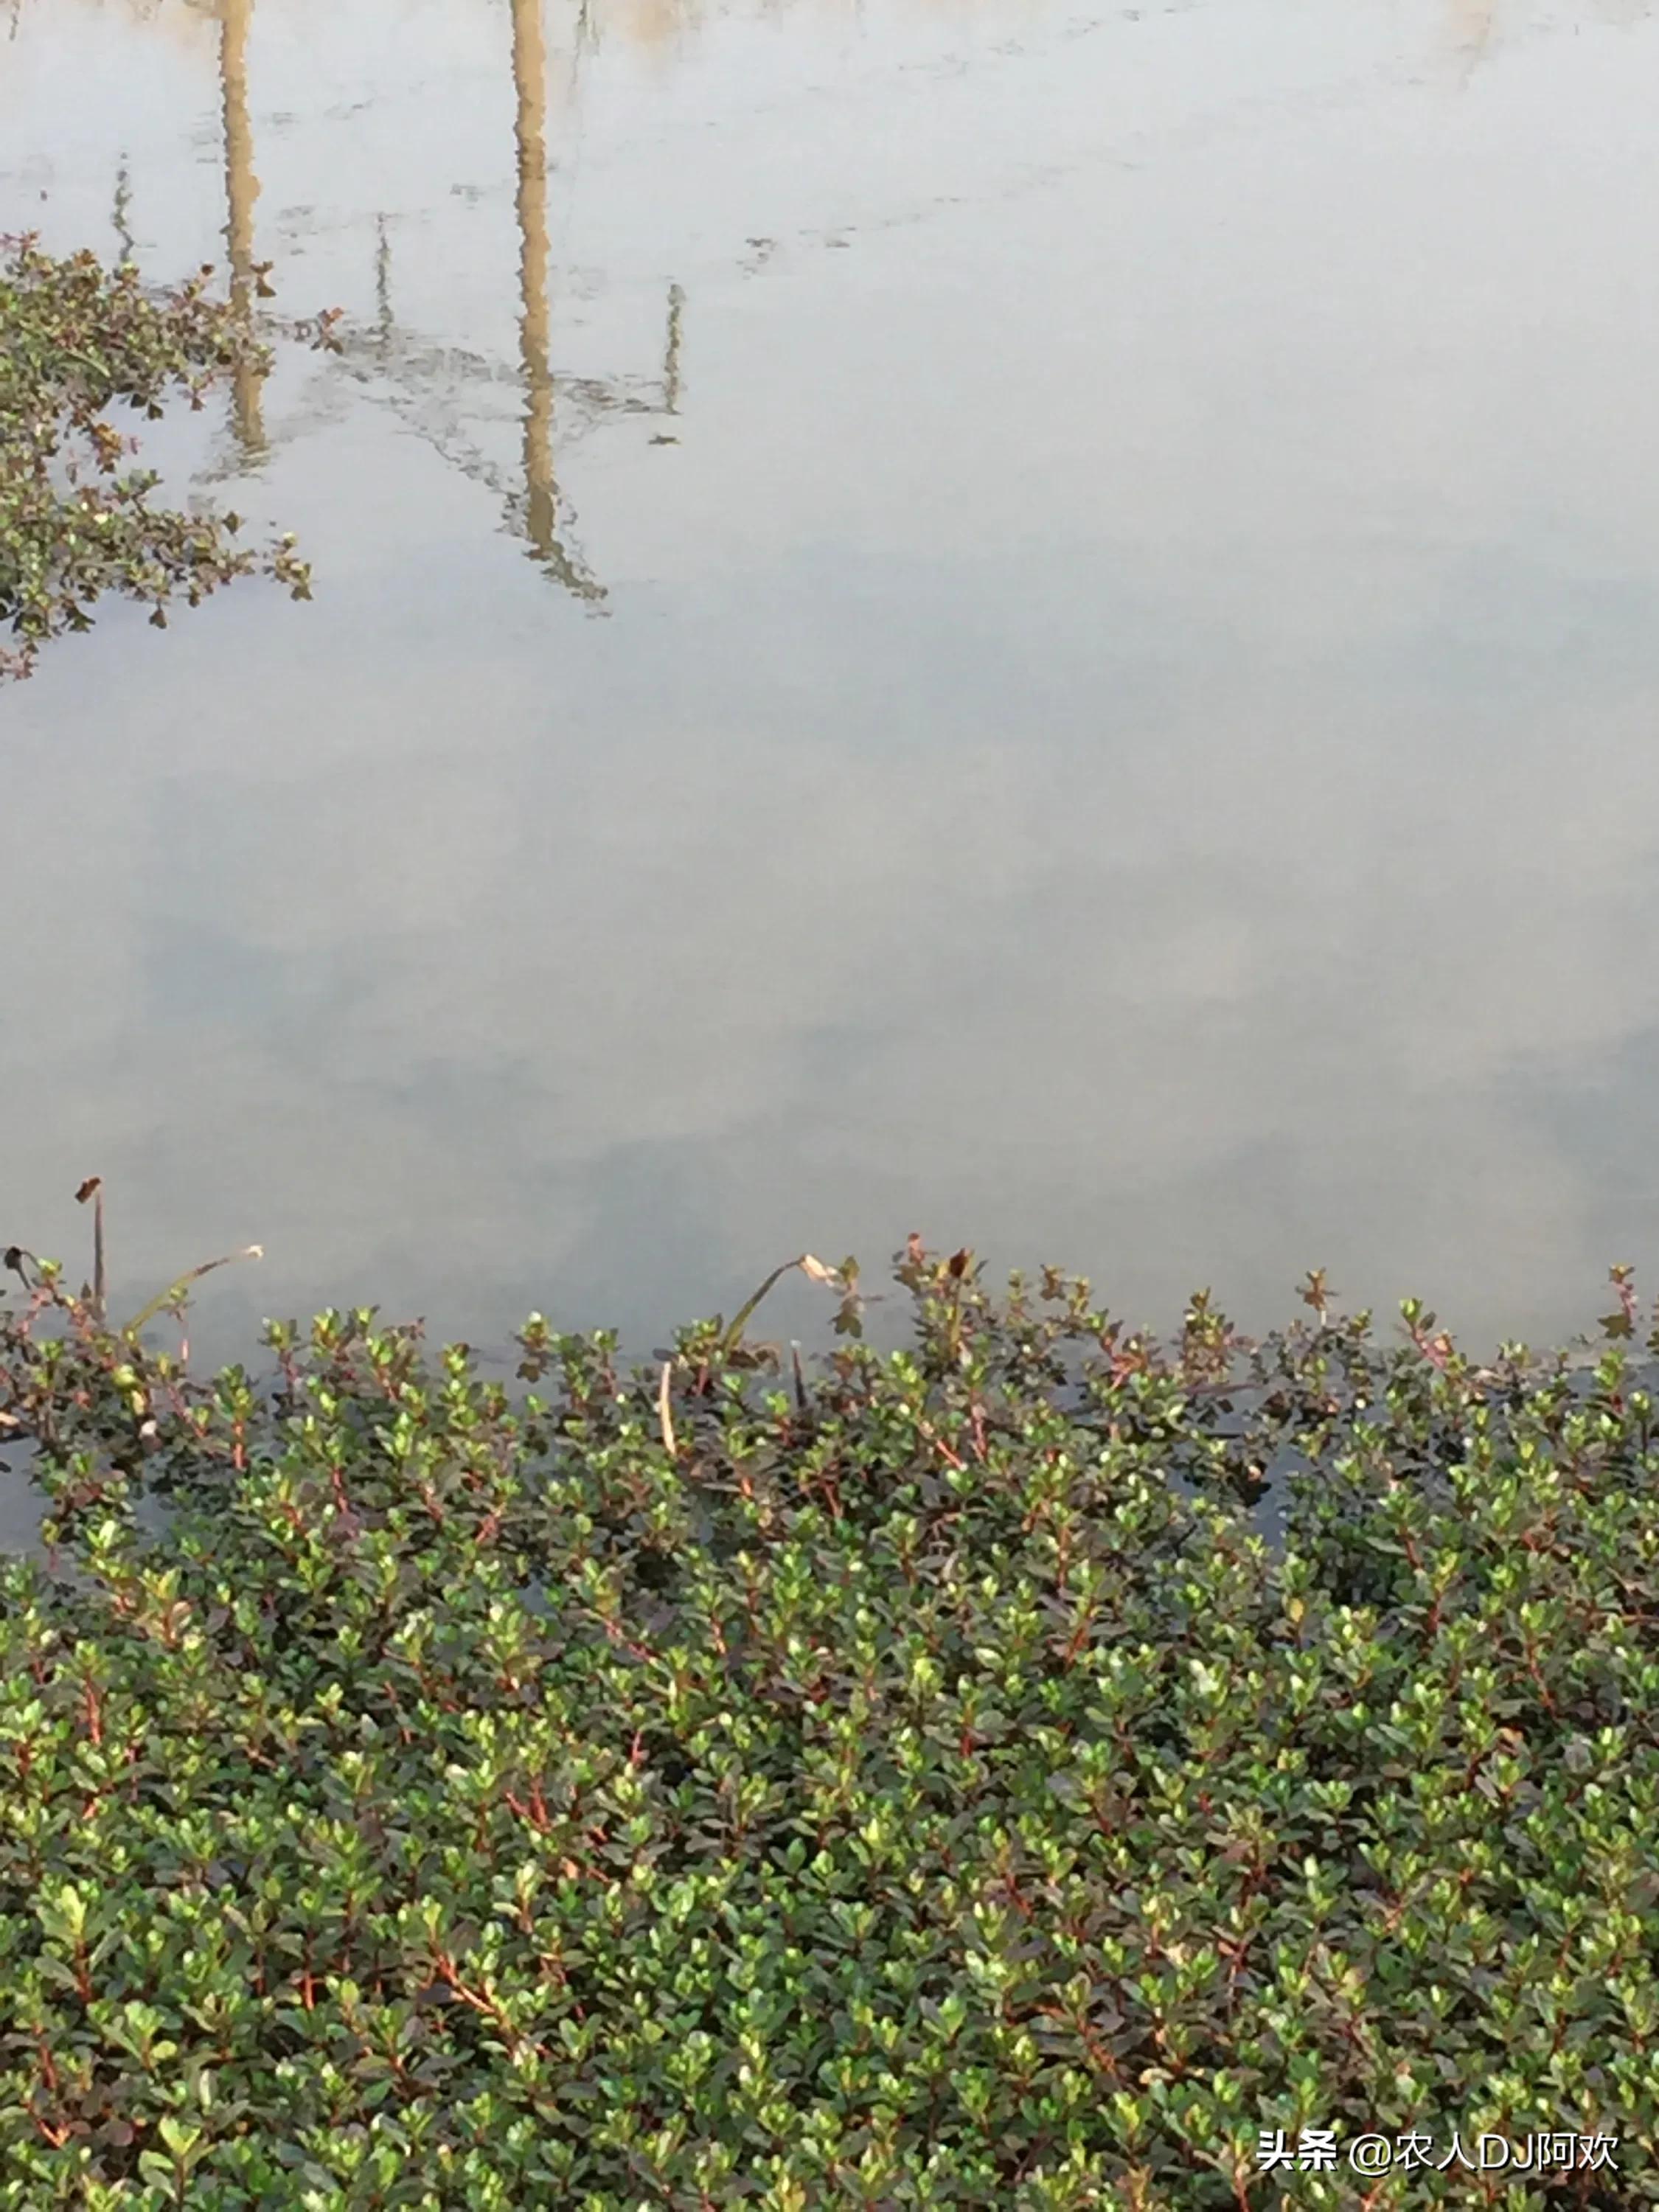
(399, 379)
(394, 369)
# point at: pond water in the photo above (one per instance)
(1033, 621)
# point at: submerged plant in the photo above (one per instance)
(924, 1786)
(77, 340)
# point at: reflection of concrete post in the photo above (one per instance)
(242, 190)
(535, 343)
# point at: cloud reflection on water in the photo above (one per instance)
(1124, 730)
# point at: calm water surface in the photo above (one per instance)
(1033, 621)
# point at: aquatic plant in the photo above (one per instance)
(910, 1779)
(78, 340)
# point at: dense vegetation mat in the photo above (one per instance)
(934, 1781)
(79, 343)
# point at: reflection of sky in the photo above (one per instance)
(1124, 730)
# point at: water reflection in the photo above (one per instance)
(671, 359)
(560, 562)
(1477, 30)
(1470, 25)
(121, 212)
(665, 27)
(1123, 729)
(242, 191)
(436, 388)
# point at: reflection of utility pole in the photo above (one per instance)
(242, 190)
(121, 219)
(535, 342)
(1472, 25)
(671, 358)
(383, 324)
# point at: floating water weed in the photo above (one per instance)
(922, 1788)
(77, 339)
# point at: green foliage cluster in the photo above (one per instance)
(76, 339)
(921, 1784)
